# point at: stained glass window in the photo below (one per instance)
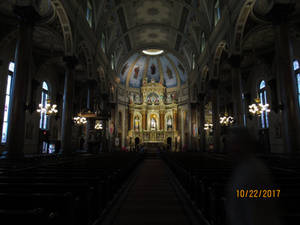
(113, 61)
(217, 12)
(263, 100)
(244, 109)
(203, 41)
(297, 73)
(193, 61)
(89, 13)
(103, 42)
(44, 100)
(11, 69)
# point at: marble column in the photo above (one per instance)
(144, 120)
(131, 120)
(162, 120)
(88, 124)
(23, 60)
(201, 108)
(67, 113)
(216, 115)
(175, 119)
(235, 61)
(287, 84)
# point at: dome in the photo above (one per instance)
(165, 68)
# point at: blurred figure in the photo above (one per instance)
(249, 173)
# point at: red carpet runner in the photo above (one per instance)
(151, 200)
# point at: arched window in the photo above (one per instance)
(11, 69)
(263, 100)
(203, 42)
(193, 61)
(113, 61)
(44, 101)
(217, 12)
(297, 73)
(103, 42)
(89, 13)
(244, 109)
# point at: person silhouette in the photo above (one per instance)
(249, 173)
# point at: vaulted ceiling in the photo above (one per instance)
(172, 25)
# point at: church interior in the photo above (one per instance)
(131, 112)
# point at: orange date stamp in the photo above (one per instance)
(257, 193)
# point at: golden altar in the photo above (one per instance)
(153, 116)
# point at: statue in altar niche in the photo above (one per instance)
(169, 123)
(136, 123)
(153, 124)
(131, 98)
(137, 99)
(169, 98)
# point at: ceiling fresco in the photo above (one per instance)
(165, 68)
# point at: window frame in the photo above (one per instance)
(7, 102)
(103, 42)
(217, 12)
(45, 96)
(113, 61)
(263, 96)
(193, 61)
(89, 13)
(297, 74)
(203, 42)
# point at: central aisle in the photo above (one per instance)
(151, 200)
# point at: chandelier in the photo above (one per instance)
(98, 125)
(226, 120)
(48, 109)
(208, 126)
(80, 120)
(258, 108)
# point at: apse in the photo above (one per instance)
(155, 65)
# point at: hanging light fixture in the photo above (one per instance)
(98, 125)
(208, 126)
(80, 120)
(258, 108)
(48, 109)
(226, 120)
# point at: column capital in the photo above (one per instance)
(26, 13)
(70, 61)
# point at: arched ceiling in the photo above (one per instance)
(165, 68)
(172, 25)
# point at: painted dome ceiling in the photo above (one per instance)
(165, 68)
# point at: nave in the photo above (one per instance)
(86, 86)
(151, 199)
(150, 187)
